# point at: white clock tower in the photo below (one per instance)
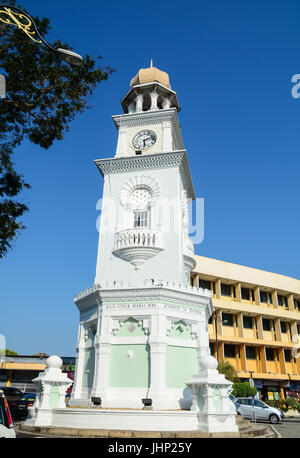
(143, 328)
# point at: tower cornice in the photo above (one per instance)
(145, 118)
(150, 162)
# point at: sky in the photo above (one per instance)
(231, 64)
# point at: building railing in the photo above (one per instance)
(138, 238)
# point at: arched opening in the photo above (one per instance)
(146, 102)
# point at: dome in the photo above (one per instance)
(150, 75)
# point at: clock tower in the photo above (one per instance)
(143, 328)
(147, 186)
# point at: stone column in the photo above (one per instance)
(218, 288)
(154, 97)
(243, 357)
(277, 329)
(166, 103)
(260, 330)
(139, 103)
(291, 303)
(263, 359)
(274, 299)
(281, 361)
(167, 145)
(121, 146)
(102, 350)
(240, 324)
(77, 387)
(257, 295)
(131, 107)
(238, 292)
(158, 350)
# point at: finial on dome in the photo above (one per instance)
(151, 63)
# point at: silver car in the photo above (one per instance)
(254, 409)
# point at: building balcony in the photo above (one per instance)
(137, 245)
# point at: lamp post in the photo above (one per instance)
(10, 15)
(217, 318)
(251, 382)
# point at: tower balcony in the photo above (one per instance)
(137, 245)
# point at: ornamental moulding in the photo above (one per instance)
(146, 118)
(150, 162)
(156, 288)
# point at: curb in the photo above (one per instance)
(52, 432)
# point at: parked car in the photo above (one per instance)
(255, 409)
(12, 395)
(20, 406)
(6, 423)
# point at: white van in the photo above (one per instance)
(6, 424)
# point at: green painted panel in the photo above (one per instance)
(88, 368)
(130, 328)
(218, 400)
(181, 365)
(54, 396)
(129, 366)
(180, 331)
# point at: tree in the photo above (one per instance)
(243, 390)
(10, 353)
(44, 94)
(230, 372)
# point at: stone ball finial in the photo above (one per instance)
(208, 362)
(54, 362)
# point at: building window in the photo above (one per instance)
(287, 356)
(270, 354)
(283, 326)
(225, 290)
(266, 324)
(297, 305)
(229, 351)
(228, 317)
(282, 301)
(245, 294)
(204, 284)
(140, 219)
(263, 297)
(250, 352)
(247, 322)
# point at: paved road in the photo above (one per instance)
(290, 428)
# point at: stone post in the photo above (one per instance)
(51, 387)
(210, 396)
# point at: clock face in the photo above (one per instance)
(144, 139)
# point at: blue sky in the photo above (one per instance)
(231, 64)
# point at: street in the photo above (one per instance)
(290, 428)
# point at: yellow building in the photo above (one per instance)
(256, 323)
